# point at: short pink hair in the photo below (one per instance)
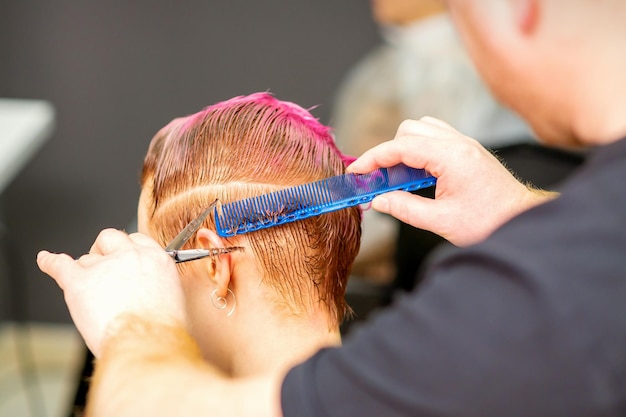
(244, 147)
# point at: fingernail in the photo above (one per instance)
(381, 203)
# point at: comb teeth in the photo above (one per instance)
(315, 198)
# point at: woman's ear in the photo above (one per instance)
(220, 267)
(526, 15)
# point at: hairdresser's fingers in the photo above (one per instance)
(145, 244)
(414, 210)
(475, 193)
(144, 240)
(109, 241)
(433, 155)
(421, 126)
(427, 143)
(89, 259)
(439, 217)
(382, 156)
(418, 143)
(58, 266)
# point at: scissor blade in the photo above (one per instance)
(191, 228)
(193, 254)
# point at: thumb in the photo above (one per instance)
(408, 208)
(58, 266)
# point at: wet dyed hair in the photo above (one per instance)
(244, 147)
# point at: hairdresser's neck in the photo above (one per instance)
(598, 116)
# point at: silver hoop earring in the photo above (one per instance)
(221, 303)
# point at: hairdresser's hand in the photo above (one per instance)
(121, 274)
(475, 193)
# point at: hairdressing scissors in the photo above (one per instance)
(173, 249)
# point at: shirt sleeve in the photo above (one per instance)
(498, 330)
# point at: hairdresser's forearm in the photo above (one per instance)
(157, 370)
(537, 196)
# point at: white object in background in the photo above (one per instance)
(24, 126)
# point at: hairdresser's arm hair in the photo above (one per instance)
(537, 196)
(153, 369)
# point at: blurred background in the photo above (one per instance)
(117, 71)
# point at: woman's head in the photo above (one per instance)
(244, 147)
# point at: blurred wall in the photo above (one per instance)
(117, 71)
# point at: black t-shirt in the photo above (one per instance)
(531, 322)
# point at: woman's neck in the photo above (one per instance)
(279, 345)
(261, 337)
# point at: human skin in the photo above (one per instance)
(556, 89)
(111, 308)
(280, 340)
(548, 59)
(456, 213)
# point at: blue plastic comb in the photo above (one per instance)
(315, 198)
